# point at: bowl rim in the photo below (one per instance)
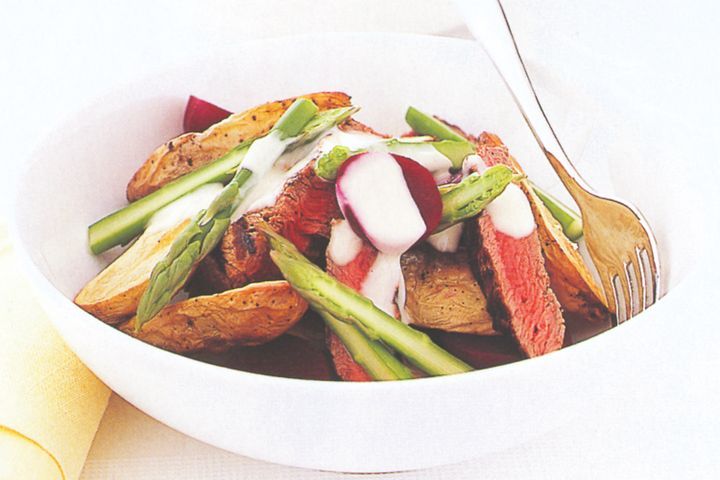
(46, 289)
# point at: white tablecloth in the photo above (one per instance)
(655, 63)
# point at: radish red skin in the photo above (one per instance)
(424, 191)
(421, 185)
(200, 115)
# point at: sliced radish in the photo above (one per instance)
(424, 191)
(389, 199)
(200, 115)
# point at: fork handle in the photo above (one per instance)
(488, 23)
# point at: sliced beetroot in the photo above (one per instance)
(480, 351)
(286, 356)
(392, 236)
(424, 191)
(200, 115)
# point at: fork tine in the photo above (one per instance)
(624, 282)
(611, 294)
(639, 268)
(636, 288)
(654, 277)
(607, 286)
(617, 292)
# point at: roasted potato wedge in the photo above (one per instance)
(192, 150)
(252, 315)
(442, 292)
(579, 295)
(114, 294)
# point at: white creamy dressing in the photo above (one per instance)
(269, 177)
(270, 186)
(423, 153)
(416, 139)
(448, 240)
(264, 192)
(510, 212)
(380, 199)
(262, 158)
(183, 208)
(263, 152)
(344, 244)
(411, 147)
(266, 189)
(384, 278)
(473, 163)
(382, 281)
(352, 140)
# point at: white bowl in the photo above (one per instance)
(79, 174)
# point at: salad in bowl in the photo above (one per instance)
(293, 240)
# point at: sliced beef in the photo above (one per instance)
(513, 277)
(352, 274)
(302, 214)
(346, 368)
(210, 276)
(581, 298)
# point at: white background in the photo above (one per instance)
(654, 63)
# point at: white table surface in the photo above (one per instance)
(653, 61)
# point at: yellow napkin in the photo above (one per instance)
(50, 403)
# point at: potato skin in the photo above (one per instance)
(114, 294)
(579, 295)
(442, 292)
(190, 151)
(252, 315)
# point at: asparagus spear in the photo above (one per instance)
(455, 151)
(207, 227)
(123, 225)
(424, 124)
(327, 165)
(320, 124)
(327, 294)
(120, 227)
(370, 354)
(469, 197)
(569, 220)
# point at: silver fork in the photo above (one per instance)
(617, 236)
